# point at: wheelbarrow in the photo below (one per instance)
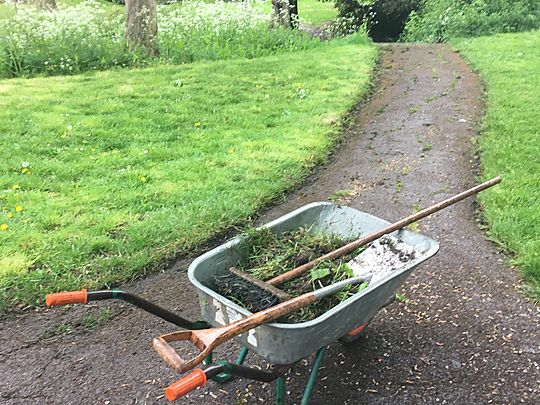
(284, 344)
(278, 343)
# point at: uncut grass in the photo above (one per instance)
(86, 36)
(269, 255)
(106, 176)
(510, 143)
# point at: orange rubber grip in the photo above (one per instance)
(180, 388)
(65, 298)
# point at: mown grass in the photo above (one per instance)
(316, 11)
(510, 142)
(105, 176)
(309, 11)
(269, 255)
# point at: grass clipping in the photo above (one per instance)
(269, 255)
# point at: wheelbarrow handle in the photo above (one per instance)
(84, 296)
(67, 298)
(197, 378)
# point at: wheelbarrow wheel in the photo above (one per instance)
(354, 334)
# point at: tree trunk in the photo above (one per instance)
(46, 4)
(286, 13)
(293, 12)
(141, 25)
(282, 13)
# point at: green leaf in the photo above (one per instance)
(317, 274)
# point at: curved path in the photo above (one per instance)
(463, 335)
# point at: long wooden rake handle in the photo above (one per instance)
(377, 234)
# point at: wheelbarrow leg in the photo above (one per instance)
(313, 375)
(226, 376)
(242, 356)
(280, 391)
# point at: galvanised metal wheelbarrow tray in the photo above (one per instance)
(282, 343)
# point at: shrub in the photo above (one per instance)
(68, 40)
(440, 20)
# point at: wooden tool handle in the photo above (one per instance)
(204, 340)
(376, 235)
(167, 353)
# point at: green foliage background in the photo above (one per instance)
(440, 20)
(384, 18)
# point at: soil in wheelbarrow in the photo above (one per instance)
(460, 333)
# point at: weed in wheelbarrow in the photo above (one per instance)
(269, 255)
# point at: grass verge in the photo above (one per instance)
(510, 142)
(108, 175)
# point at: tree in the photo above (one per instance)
(141, 25)
(46, 4)
(286, 13)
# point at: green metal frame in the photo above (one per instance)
(280, 391)
(313, 375)
(226, 375)
(280, 381)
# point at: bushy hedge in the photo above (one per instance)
(440, 20)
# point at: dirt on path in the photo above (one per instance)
(462, 335)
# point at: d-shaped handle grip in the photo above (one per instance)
(171, 357)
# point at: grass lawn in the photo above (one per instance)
(315, 11)
(510, 142)
(309, 11)
(105, 176)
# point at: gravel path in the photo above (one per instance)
(464, 334)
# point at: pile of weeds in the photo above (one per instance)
(269, 255)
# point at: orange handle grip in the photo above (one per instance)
(68, 297)
(197, 378)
